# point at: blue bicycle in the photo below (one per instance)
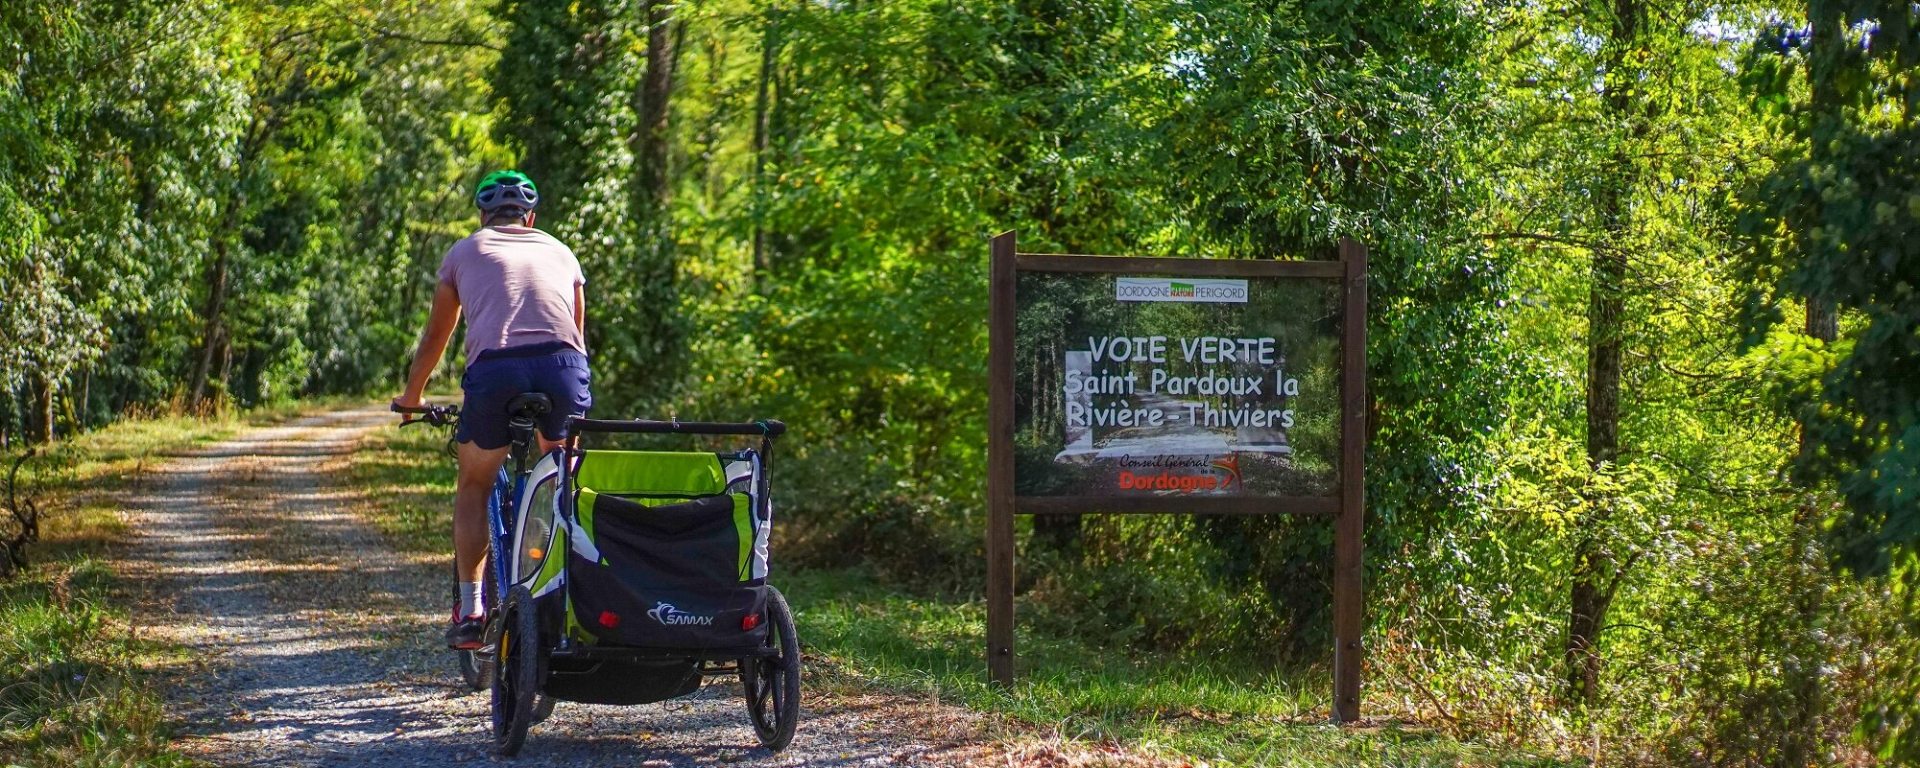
(629, 576)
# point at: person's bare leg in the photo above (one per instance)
(478, 466)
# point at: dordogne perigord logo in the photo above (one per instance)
(1194, 290)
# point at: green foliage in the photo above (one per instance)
(72, 692)
(298, 161)
(832, 172)
(1835, 225)
(1833, 228)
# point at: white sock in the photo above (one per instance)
(471, 603)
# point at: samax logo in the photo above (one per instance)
(666, 614)
(1185, 290)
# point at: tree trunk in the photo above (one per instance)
(762, 109)
(213, 328)
(1596, 570)
(1800, 741)
(652, 267)
(1594, 562)
(80, 407)
(652, 190)
(42, 428)
(226, 359)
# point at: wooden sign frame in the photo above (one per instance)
(1346, 506)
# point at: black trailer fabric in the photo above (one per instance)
(623, 682)
(665, 575)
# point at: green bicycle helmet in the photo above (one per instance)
(506, 189)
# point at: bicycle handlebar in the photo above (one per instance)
(765, 427)
(437, 415)
(444, 415)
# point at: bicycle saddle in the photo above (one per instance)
(529, 404)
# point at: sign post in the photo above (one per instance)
(1178, 386)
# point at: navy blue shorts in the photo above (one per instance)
(555, 370)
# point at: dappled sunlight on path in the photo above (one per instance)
(316, 643)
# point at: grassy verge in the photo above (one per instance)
(1212, 710)
(79, 685)
(865, 635)
(408, 475)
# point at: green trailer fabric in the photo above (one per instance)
(743, 526)
(667, 474)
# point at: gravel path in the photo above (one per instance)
(316, 644)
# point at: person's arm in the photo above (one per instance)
(433, 343)
(580, 311)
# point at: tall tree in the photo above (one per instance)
(653, 268)
(766, 94)
(1801, 737)
(1623, 141)
(1835, 233)
(1835, 228)
(302, 74)
(651, 196)
(1597, 569)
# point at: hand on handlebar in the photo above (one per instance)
(437, 415)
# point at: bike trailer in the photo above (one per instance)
(665, 567)
(666, 553)
(630, 576)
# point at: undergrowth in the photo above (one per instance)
(80, 687)
(861, 633)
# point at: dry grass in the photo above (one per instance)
(79, 680)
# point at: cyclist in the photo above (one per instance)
(525, 303)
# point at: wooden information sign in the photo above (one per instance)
(1179, 386)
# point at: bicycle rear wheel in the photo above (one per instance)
(516, 676)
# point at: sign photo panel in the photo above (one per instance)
(1176, 386)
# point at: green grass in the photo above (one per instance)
(79, 685)
(408, 476)
(76, 689)
(1179, 707)
(864, 635)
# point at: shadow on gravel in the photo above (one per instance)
(319, 642)
(231, 452)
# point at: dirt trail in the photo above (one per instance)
(316, 644)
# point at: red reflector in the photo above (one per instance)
(750, 621)
(609, 619)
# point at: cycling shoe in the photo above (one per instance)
(466, 634)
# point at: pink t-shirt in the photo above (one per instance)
(516, 287)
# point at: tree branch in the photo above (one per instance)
(1538, 237)
(388, 34)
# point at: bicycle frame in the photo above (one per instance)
(503, 515)
(500, 507)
